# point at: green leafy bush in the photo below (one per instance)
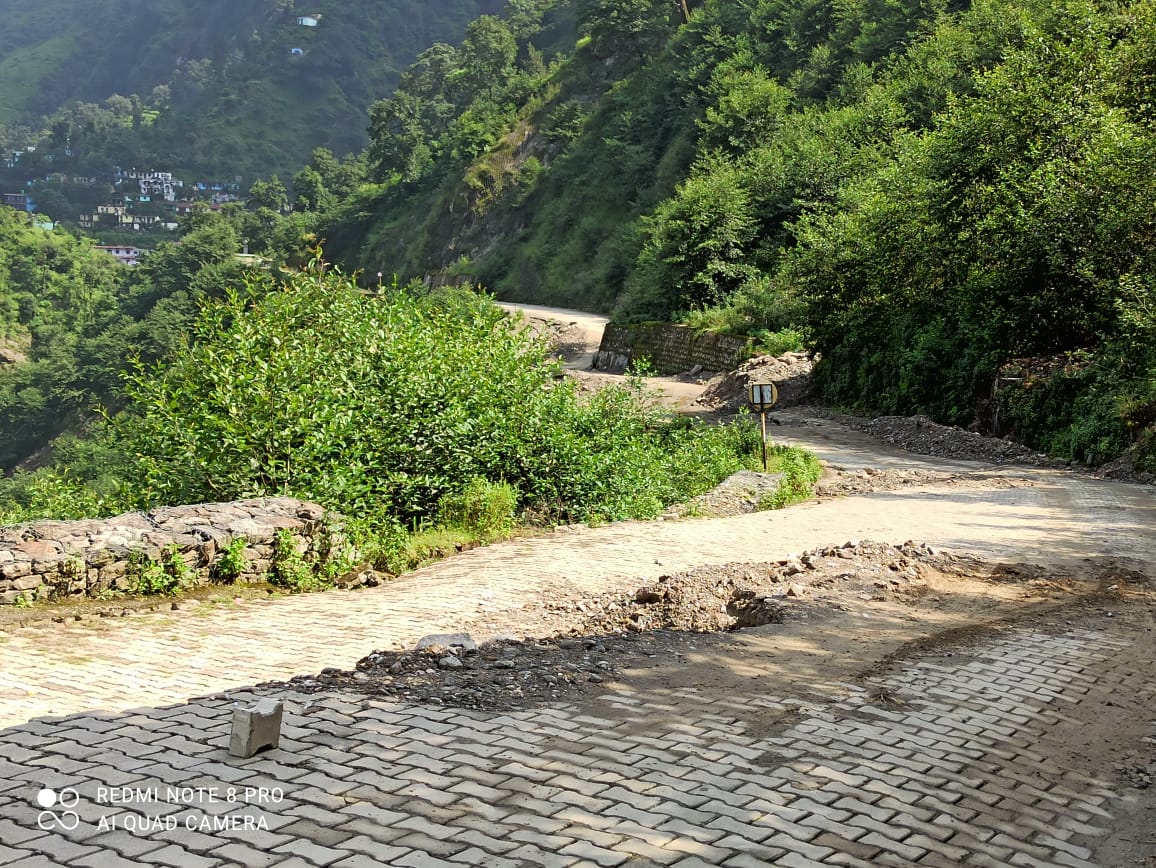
(388, 406)
(800, 469)
(380, 540)
(1089, 414)
(54, 493)
(291, 571)
(164, 577)
(485, 509)
(776, 343)
(232, 563)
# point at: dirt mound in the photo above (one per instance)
(586, 639)
(790, 372)
(565, 339)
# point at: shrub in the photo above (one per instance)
(232, 563)
(164, 577)
(380, 540)
(389, 408)
(800, 469)
(291, 571)
(485, 509)
(1080, 414)
(54, 493)
(776, 343)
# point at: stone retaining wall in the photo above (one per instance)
(50, 560)
(670, 349)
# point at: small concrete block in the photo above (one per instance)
(256, 728)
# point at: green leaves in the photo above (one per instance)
(410, 403)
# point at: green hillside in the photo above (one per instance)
(952, 204)
(927, 193)
(216, 87)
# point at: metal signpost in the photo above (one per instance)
(763, 396)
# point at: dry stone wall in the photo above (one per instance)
(670, 349)
(51, 560)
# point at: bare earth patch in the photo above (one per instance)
(856, 602)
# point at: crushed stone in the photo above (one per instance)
(790, 372)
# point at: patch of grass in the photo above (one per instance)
(23, 70)
(800, 469)
(232, 563)
(432, 543)
(775, 343)
(483, 509)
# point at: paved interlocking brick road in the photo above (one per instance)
(157, 659)
(933, 765)
(940, 760)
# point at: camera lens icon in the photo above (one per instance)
(65, 819)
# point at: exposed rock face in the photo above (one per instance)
(57, 559)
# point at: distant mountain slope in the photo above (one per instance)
(244, 88)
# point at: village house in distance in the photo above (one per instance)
(124, 254)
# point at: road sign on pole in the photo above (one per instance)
(763, 396)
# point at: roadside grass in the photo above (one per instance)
(801, 470)
(427, 544)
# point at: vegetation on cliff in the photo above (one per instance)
(928, 192)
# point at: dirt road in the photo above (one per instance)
(577, 336)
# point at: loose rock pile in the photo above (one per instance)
(847, 482)
(923, 436)
(504, 673)
(1137, 776)
(844, 482)
(790, 372)
(1124, 469)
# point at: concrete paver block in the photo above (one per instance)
(256, 728)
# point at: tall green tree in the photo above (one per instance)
(636, 28)
(487, 56)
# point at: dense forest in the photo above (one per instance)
(930, 193)
(951, 204)
(215, 89)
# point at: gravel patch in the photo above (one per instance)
(923, 436)
(790, 372)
